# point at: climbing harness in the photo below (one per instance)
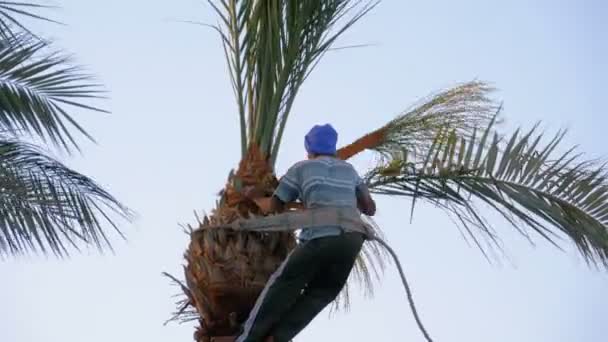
(348, 218)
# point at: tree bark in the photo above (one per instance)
(226, 270)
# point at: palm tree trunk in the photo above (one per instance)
(226, 270)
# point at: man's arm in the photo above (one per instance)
(365, 202)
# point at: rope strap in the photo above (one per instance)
(347, 218)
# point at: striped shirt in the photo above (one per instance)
(321, 182)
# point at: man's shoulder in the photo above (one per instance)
(300, 164)
(297, 167)
(325, 166)
(328, 161)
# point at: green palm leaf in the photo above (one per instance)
(36, 88)
(463, 108)
(10, 27)
(47, 207)
(532, 186)
(271, 47)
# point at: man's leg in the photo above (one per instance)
(281, 291)
(340, 255)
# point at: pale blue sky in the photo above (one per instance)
(172, 138)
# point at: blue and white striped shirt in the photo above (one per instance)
(321, 182)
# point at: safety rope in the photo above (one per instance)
(408, 291)
(348, 219)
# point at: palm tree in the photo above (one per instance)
(44, 205)
(445, 150)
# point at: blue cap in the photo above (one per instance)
(321, 139)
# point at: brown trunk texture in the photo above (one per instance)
(226, 270)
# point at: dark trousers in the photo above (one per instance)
(310, 278)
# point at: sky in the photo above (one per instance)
(172, 138)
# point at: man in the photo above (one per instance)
(316, 270)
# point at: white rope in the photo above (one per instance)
(408, 291)
(349, 220)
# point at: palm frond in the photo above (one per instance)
(36, 87)
(461, 108)
(271, 47)
(10, 11)
(47, 207)
(525, 180)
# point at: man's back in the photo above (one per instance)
(320, 182)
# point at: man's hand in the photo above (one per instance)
(256, 195)
(269, 205)
(252, 192)
(365, 202)
(264, 203)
